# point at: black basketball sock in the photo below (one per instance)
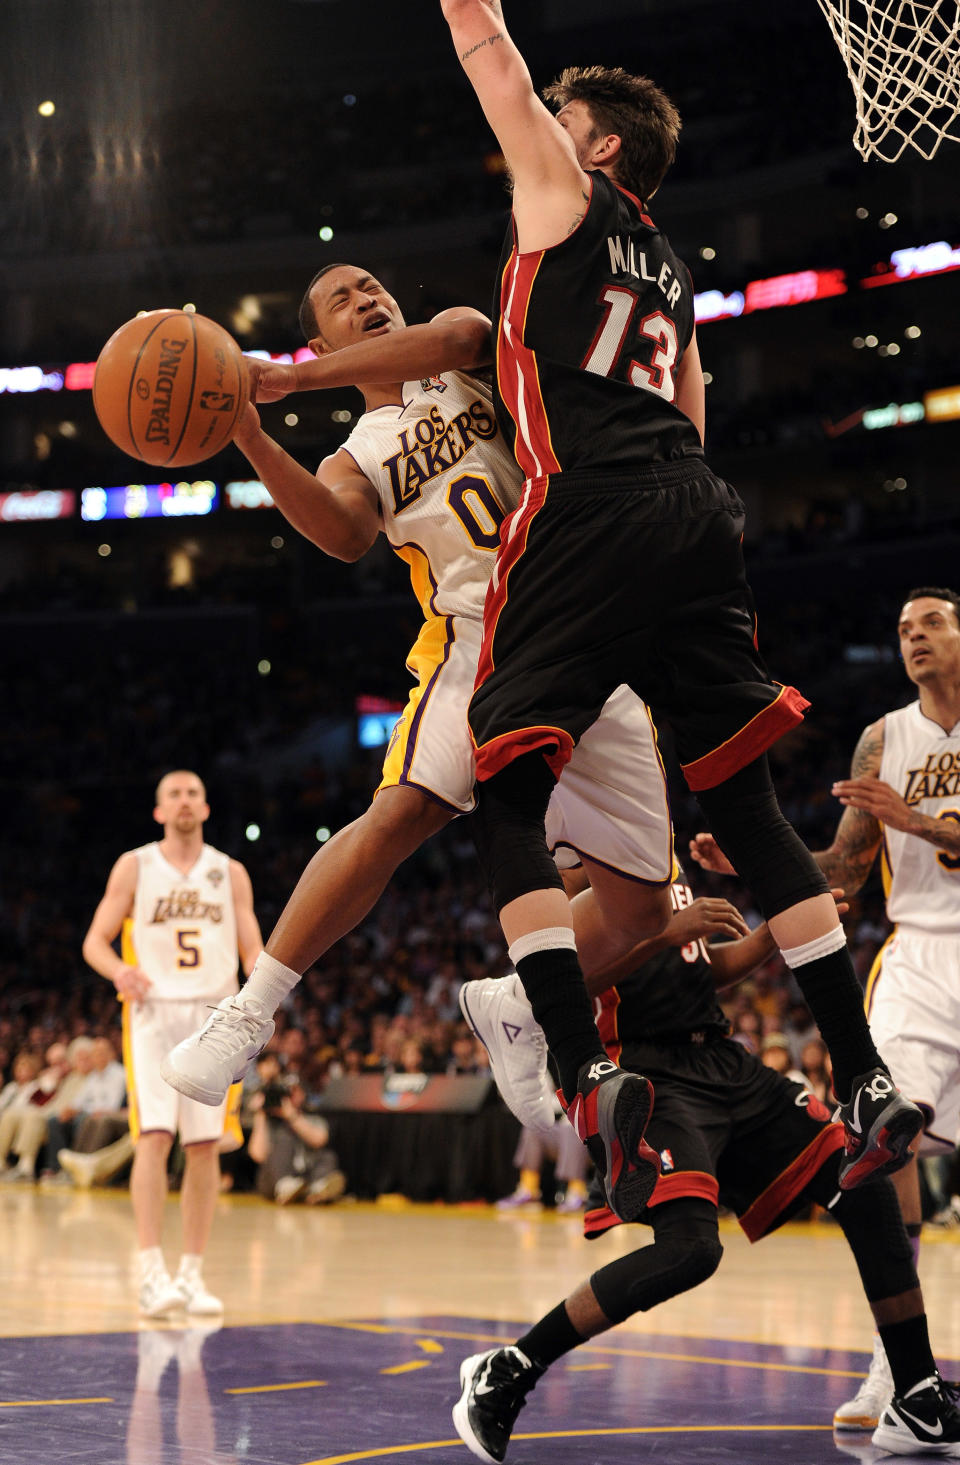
(907, 1346)
(833, 994)
(553, 982)
(550, 1338)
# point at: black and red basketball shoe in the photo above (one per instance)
(610, 1112)
(880, 1125)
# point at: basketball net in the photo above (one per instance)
(903, 61)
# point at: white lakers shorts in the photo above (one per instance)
(610, 805)
(913, 1005)
(150, 1030)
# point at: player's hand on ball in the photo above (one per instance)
(705, 850)
(131, 983)
(706, 918)
(270, 380)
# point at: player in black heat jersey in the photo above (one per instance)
(729, 1131)
(623, 563)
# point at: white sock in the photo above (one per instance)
(268, 983)
(548, 939)
(190, 1264)
(797, 956)
(151, 1260)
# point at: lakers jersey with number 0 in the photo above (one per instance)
(183, 932)
(446, 481)
(922, 762)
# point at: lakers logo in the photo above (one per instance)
(939, 778)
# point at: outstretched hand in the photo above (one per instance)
(872, 796)
(707, 918)
(705, 850)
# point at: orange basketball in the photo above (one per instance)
(169, 387)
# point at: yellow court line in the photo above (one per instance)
(41, 1403)
(497, 1338)
(407, 1367)
(278, 1388)
(429, 1345)
(835, 1373)
(586, 1367)
(580, 1434)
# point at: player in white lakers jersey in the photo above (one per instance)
(902, 801)
(183, 909)
(426, 465)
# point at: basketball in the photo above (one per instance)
(169, 387)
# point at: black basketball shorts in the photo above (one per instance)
(728, 1130)
(604, 579)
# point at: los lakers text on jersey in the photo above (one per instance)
(937, 778)
(186, 905)
(433, 445)
(183, 931)
(446, 480)
(922, 762)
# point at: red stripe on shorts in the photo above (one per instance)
(760, 733)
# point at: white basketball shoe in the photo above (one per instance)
(217, 1055)
(499, 1013)
(159, 1294)
(195, 1300)
(863, 1411)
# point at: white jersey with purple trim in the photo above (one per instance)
(446, 481)
(184, 930)
(922, 762)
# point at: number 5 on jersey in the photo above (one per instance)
(190, 954)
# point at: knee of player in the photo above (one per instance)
(703, 1259)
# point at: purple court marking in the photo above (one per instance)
(684, 1400)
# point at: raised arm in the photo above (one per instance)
(338, 509)
(551, 190)
(457, 339)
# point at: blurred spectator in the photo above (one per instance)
(14, 1105)
(100, 1119)
(816, 1071)
(30, 1122)
(291, 1148)
(63, 1110)
(775, 1053)
(467, 1053)
(570, 1161)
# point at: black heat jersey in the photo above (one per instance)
(590, 334)
(672, 993)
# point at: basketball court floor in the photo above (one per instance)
(344, 1329)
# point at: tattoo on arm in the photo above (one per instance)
(848, 860)
(868, 752)
(944, 835)
(577, 218)
(490, 41)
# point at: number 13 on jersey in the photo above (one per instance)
(620, 305)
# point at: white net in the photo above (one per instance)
(903, 61)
